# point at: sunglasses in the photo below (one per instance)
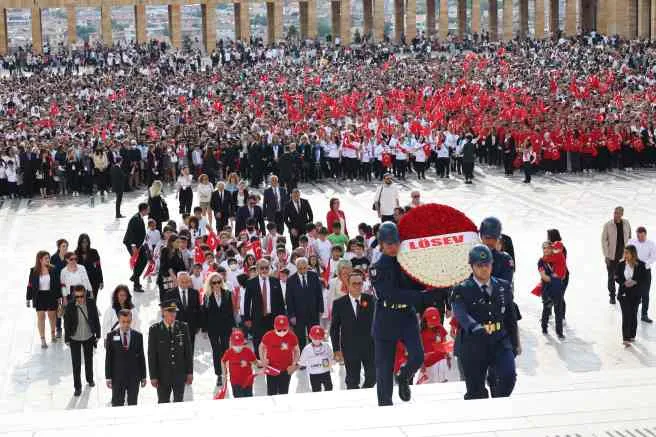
(79, 296)
(356, 283)
(215, 282)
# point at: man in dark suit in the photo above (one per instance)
(263, 301)
(298, 214)
(119, 180)
(170, 359)
(350, 333)
(275, 199)
(188, 302)
(250, 211)
(134, 237)
(304, 300)
(125, 362)
(289, 167)
(220, 204)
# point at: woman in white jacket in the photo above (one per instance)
(121, 300)
(204, 190)
(74, 274)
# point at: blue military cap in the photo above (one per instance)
(388, 233)
(480, 254)
(490, 228)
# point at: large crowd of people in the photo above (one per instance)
(242, 265)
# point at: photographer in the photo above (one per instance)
(81, 332)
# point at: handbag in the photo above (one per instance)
(60, 310)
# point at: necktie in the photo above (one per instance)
(298, 207)
(484, 288)
(184, 298)
(277, 199)
(357, 308)
(303, 283)
(125, 340)
(250, 211)
(264, 297)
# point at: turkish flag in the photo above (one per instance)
(221, 394)
(212, 240)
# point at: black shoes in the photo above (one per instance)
(120, 216)
(612, 300)
(91, 383)
(561, 337)
(219, 381)
(77, 392)
(404, 389)
(646, 319)
(138, 288)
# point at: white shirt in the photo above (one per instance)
(646, 251)
(388, 196)
(354, 304)
(316, 359)
(70, 279)
(323, 248)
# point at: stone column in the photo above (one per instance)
(106, 24)
(444, 19)
(539, 19)
(410, 20)
(632, 19)
(653, 19)
(523, 18)
(570, 17)
(140, 23)
(335, 18)
(345, 22)
(462, 17)
(507, 20)
(644, 18)
(398, 20)
(554, 17)
(602, 16)
(271, 32)
(175, 23)
(379, 20)
(368, 17)
(303, 19)
(71, 25)
(587, 16)
(37, 31)
(493, 20)
(278, 25)
(4, 38)
(312, 28)
(430, 17)
(242, 21)
(208, 25)
(476, 16)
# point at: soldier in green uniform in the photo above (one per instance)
(170, 357)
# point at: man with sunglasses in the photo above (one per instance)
(263, 301)
(81, 333)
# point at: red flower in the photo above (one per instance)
(433, 219)
(364, 304)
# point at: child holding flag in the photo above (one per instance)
(238, 363)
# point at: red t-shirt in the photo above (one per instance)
(280, 350)
(239, 364)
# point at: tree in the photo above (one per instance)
(357, 38)
(292, 32)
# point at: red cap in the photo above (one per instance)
(317, 333)
(280, 323)
(237, 338)
(432, 316)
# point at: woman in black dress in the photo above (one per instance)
(44, 294)
(90, 259)
(631, 276)
(158, 211)
(170, 263)
(218, 317)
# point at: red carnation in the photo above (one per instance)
(432, 219)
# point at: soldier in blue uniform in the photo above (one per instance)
(395, 318)
(489, 338)
(503, 266)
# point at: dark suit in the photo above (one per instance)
(629, 297)
(135, 233)
(351, 334)
(170, 359)
(219, 320)
(124, 367)
(274, 208)
(298, 219)
(305, 304)
(189, 313)
(255, 313)
(220, 204)
(119, 180)
(243, 215)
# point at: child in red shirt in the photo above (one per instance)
(279, 352)
(437, 358)
(239, 360)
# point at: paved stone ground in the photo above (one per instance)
(33, 380)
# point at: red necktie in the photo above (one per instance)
(125, 340)
(264, 297)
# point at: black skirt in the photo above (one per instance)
(46, 300)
